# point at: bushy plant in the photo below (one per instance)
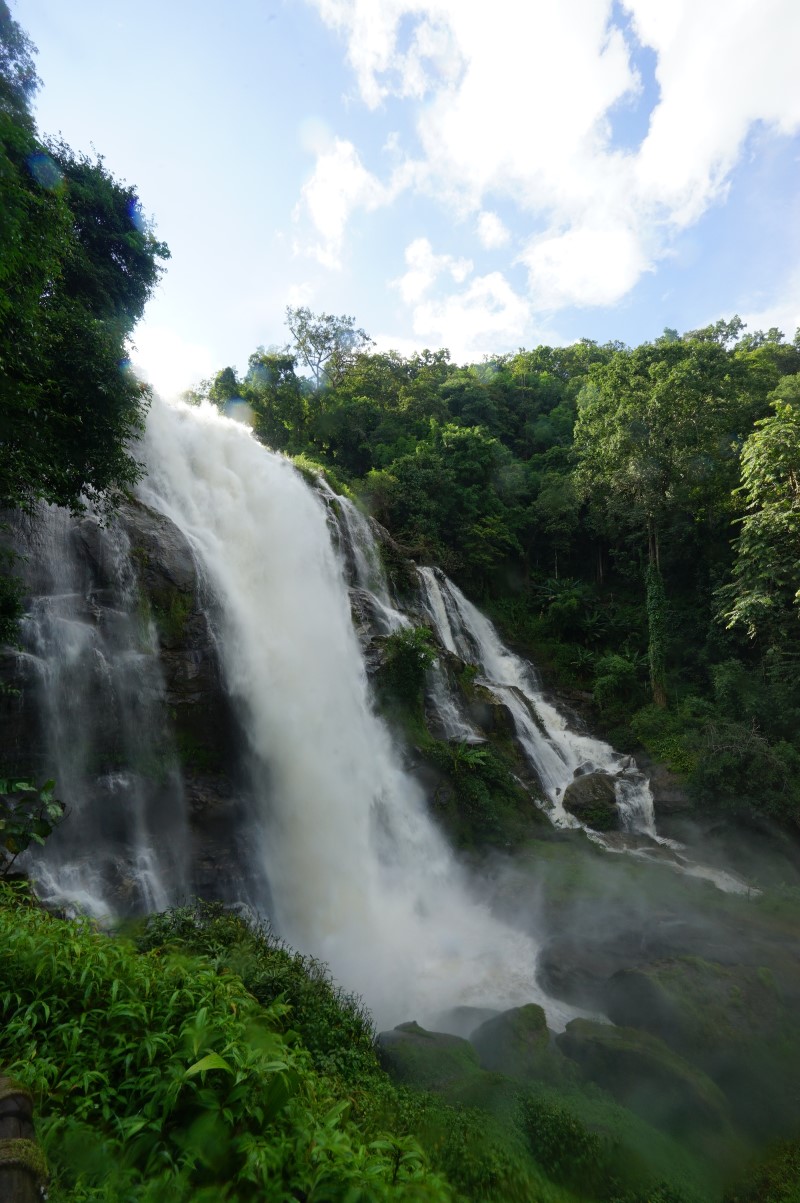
(158, 1076)
(28, 815)
(408, 654)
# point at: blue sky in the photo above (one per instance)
(450, 173)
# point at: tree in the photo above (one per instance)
(77, 265)
(765, 593)
(657, 434)
(327, 345)
(18, 78)
(274, 393)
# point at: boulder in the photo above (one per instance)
(592, 799)
(426, 1060)
(517, 1043)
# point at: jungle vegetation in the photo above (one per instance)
(629, 516)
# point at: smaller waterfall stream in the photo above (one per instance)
(91, 658)
(555, 751)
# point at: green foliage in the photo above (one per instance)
(615, 678)
(11, 608)
(28, 815)
(408, 654)
(335, 1028)
(765, 591)
(327, 345)
(565, 1148)
(77, 264)
(158, 1075)
(656, 603)
(776, 1179)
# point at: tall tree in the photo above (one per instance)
(327, 345)
(77, 264)
(764, 597)
(657, 435)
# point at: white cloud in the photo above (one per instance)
(168, 361)
(583, 267)
(425, 268)
(339, 184)
(491, 231)
(521, 105)
(485, 317)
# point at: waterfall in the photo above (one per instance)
(554, 750)
(91, 661)
(349, 864)
(362, 561)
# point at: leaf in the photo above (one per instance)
(210, 1061)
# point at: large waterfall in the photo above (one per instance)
(357, 873)
(332, 837)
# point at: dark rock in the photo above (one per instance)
(592, 799)
(668, 789)
(486, 711)
(413, 1056)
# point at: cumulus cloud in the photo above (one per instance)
(339, 185)
(475, 320)
(491, 231)
(425, 268)
(522, 104)
(583, 266)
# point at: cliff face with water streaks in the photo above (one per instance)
(187, 704)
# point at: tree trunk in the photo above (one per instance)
(656, 627)
(22, 1166)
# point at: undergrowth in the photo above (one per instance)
(158, 1076)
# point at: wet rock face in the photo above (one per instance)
(199, 711)
(138, 566)
(591, 797)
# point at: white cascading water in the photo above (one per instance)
(360, 552)
(554, 750)
(91, 659)
(367, 573)
(357, 874)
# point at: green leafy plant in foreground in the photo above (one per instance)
(158, 1076)
(28, 815)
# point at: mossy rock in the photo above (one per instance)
(642, 1073)
(413, 1056)
(592, 799)
(517, 1043)
(735, 1022)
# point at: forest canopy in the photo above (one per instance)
(78, 262)
(630, 516)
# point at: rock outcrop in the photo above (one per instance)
(591, 797)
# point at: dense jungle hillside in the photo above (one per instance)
(630, 518)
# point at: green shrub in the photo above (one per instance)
(408, 654)
(159, 1076)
